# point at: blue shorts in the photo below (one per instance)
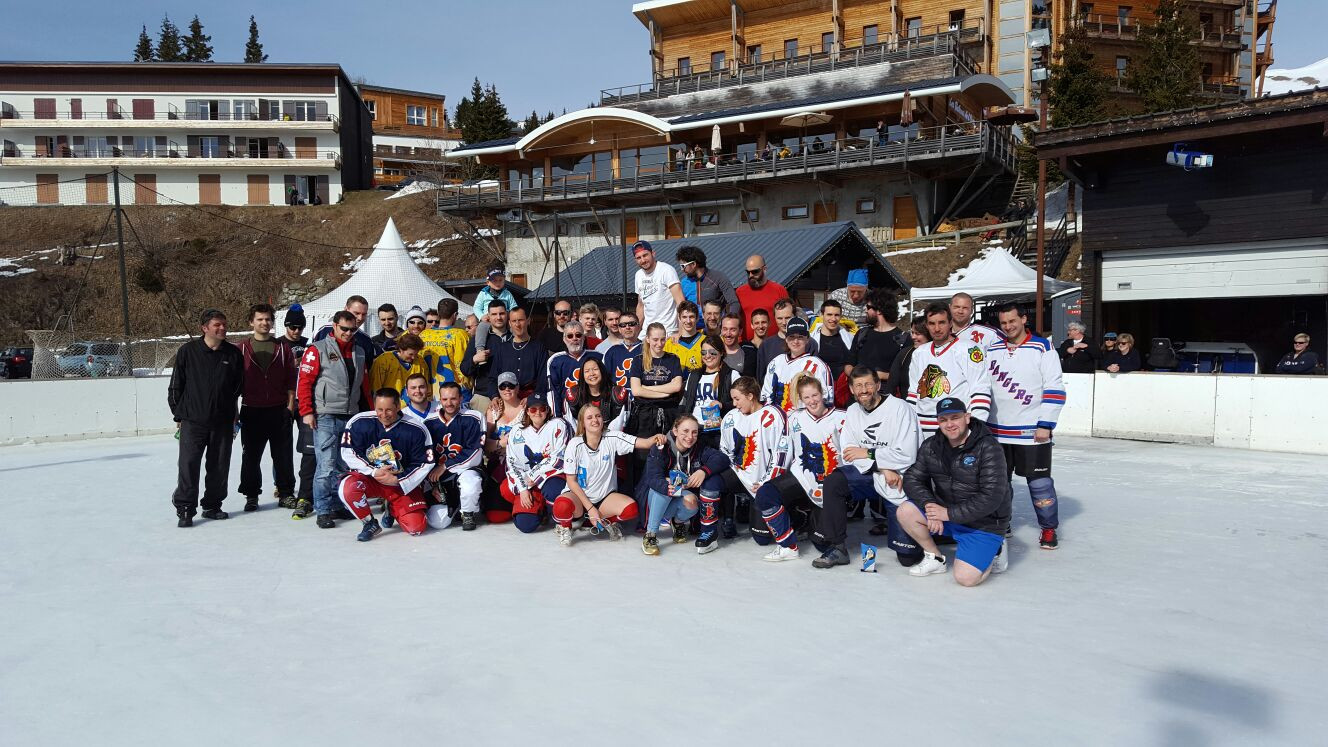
(974, 546)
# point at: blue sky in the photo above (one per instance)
(541, 54)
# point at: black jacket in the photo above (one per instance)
(206, 384)
(482, 375)
(749, 367)
(970, 481)
(1080, 361)
(898, 384)
(1128, 362)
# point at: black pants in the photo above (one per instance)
(304, 444)
(645, 420)
(200, 442)
(265, 427)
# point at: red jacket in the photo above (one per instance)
(311, 365)
(270, 388)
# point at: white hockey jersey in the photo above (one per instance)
(813, 448)
(411, 413)
(752, 445)
(950, 370)
(779, 373)
(978, 334)
(595, 470)
(534, 454)
(890, 432)
(1027, 392)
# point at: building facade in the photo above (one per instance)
(411, 134)
(193, 133)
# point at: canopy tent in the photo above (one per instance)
(996, 274)
(388, 275)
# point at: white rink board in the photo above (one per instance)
(1077, 415)
(72, 409)
(1155, 407)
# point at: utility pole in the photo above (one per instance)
(124, 275)
(1042, 205)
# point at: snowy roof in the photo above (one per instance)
(1296, 79)
(388, 275)
(995, 274)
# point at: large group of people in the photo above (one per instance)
(701, 409)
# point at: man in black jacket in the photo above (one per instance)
(958, 488)
(206, 383)
(1077, 356)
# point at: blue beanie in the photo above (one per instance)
(858, 278)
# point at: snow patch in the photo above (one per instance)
(354, 264)
(305, 271)
(1286, 80)
(917, 250)
(413, 188)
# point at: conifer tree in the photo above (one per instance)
(1166, 75)
(196, 46)
(168, 42)
(143, 51)
(1078, 89)
(253, 50)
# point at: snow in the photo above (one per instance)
(305, 271)
(1183, 607)
(917, 250)
(1286, 80)
(413, 188)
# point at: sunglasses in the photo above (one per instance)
(507, 386)
(572, 337)
(629, 324)
(347, 330)
(294, 326)
(1300, 342)
(756, 272)
(562, 312)
(709, 353)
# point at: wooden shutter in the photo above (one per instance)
(320, 110)
(43, 146)
(306, 147)
(145, 189)
(195, 150)
(43, 108)
(264, 109)
(323, 190)
(630, 233)
(209, 189)
(62, 146)
(258, 190)
(76, 108)
(48, 189)
(112, 107)
(96, 189)
(144, 109)
(825, 213)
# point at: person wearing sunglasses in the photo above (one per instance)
(563, 371)
(707, 393)
(759, 292)
(358, 308)
(597, 388)
(533, 475)
(1301, 360)
(618, 359)
(551, 337)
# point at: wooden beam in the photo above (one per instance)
(656, 54)
(837, 19)
(1198, 131)
(736, 36)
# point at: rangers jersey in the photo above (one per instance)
(813, 448)
(596, 470)
(535, 454)
(752, 445)
(459, 442)
(891, 434)
(780, 372)
(949, 370)
(1027, 392)
(404, 448)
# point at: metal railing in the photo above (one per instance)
(978, 138)
(121, 114)
(171, 151)
(808, 62)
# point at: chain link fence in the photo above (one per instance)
(61, 354)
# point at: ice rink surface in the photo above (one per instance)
(1186, 606)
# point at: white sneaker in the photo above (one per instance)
(781, 553)
(615, 531)
(928, 565)
(1002, 560)
(564, 535)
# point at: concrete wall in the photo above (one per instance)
(75, 409)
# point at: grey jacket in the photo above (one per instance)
(715, 286)
(335, 393)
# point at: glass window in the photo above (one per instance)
(652, 159)
(716, 61)
(306, 111)
(827, 41)
(751, 215)
(209, 146)
(245, 108)
(866, 205)
(603, 165)
(1123, 14)
(790, 48)
(1121, 64)
(684, 66)
(372, 106)
(914, 26)
(794, 211)
(956, 19)
(433, 116)
(707, 219)
(870, 35)
(754, 53)
(1085, 9)
(415, 115)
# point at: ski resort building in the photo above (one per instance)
(195, 133)
(410, 133)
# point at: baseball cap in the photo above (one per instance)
(797, 326)
(857, 279)
(507, 377)
(642, 245)
(1109, 336)
(950, 406)
(496, 272)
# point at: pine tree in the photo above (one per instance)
(1078, 89)
(482, 116)
(531, 122)
(144, 52)
(196, 45)
(168, 42)
(550, 117)
(253, 50)
(1166, 75)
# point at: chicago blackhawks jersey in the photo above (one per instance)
(978, 334)
(596, 470)
(813, 448)
(779, 375)
(458, 442)
(535, 454)
(404, 448)
(752, 444)
(891, 434)
(950, 370)
(1027, 392)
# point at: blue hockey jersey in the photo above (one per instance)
(563, 373)
(618, 362)
(459, 442)
(403, 447)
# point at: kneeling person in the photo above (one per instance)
(390, 457)
(458, 441)
(534, 473)
(958, 488)
(676, 472)
(590, 465)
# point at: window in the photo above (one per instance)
(754, 53)
(866, 206)
(870, 35)
(1123, 15)
(716, 60)
(793, 212)
(306, 111)
(707, 219)
(433, 116)
(751, 216)
(914, 26)
(593, 228)
(790, 48)
(245, 109)
(372, 106)
(415, 115)
(1121, 64)
(827, 41)
(956, 19)
(102, 146)
(1085, 10)
(684, 66)
(209, 146)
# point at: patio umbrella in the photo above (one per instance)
(715, 141)
(906, 110)
(803, 119)
(1009, 115)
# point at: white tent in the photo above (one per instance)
(388, 275)
(996, 274)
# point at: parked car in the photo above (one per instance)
(92, 359)
(16, 363)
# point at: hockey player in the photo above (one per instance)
(534, 465)
(420, 403)
(390, 457)
(814, 450)
(1027, 397)
(964, 326)
(750, 437)
(564, 368)
(686, 344)
(880, 440)
(782, 368)
(446, 348)
(596, 388)
(589, 465)
(947, 368)
(459, 443)
(676, 472)
(391, 369)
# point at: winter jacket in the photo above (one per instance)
(486, 296)
(206, 383)
(1305, 363)
(715, 286)
(662, 460)
(270, 388)
(482, 375)
(970, 481)
(1128, 362)
(327, 384)
(1080, 361)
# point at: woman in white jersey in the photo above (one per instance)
(534, 474)
(706, 393)
(750, 438)
(590, 467)
(795, 360)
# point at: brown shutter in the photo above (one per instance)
(48, 189)
(144, 109)
(209, 189)
(672, 228)
(112, 109)
(630, 233)
(306, 147)
(145, 189)
(43, 108)
(194, 148)
(825, 213)
(320, 110)
(43, 146)
(258, 190)
(62, 146)
(322, 187)
(96, 189)
(76, 108)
